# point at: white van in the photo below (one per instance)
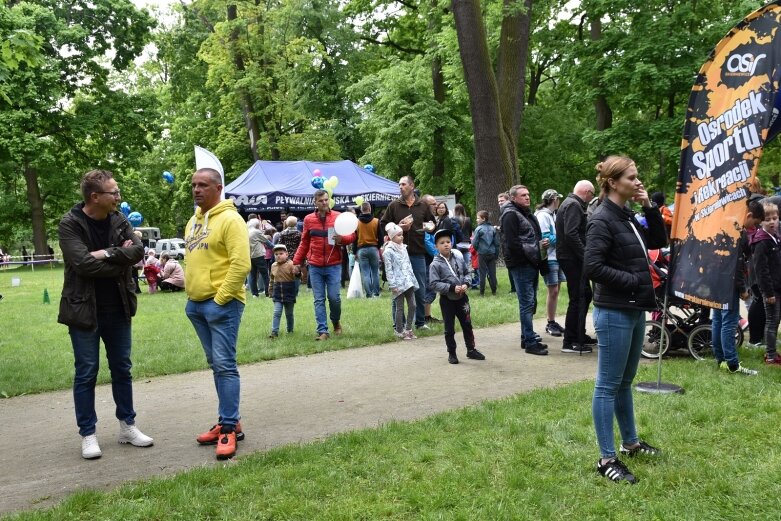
(148, 235)
(173, 247)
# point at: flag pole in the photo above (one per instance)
(659, 387)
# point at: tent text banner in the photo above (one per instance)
(273, 186)
(731, 112)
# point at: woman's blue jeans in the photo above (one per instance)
(620, 336)
(218, 329)
(114, 328)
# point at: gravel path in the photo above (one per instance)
(284, 401)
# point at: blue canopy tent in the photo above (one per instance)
(273, 186)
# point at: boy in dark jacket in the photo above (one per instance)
(449, 277)
(282, 288)
(766, 259)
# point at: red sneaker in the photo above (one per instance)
(211, 436)
(773, 361)
(226, 445)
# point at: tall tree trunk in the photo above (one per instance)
(493, 161)
(438, 81)
(511, 71)
(438, 145)
(495, 140)
(245, 100)
(604, 114)
(535, 80)
(36, 210)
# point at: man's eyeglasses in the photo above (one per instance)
(115, 193)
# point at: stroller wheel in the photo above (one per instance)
(699, 342)
(655, 340)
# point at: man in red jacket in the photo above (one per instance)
(322, 249)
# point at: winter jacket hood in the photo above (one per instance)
(760, 235)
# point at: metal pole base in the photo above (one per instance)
(658, 388)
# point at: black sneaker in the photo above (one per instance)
(537, 340)
(589, 341)
(614, 470)
(643, 449)
(433, 320)
(553, 328)
(537, 349)
(452, 358)
(574, 347)
(474, 354)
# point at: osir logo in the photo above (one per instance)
(745, 64)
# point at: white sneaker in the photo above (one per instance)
(89, 447)
(130, 434)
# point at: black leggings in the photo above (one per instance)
(756, 321)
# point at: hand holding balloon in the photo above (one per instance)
(346, 223)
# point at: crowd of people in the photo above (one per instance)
(422, 252)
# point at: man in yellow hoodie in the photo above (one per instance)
(217, 263)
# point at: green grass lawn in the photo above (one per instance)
(527, 457)
(36, 354)
(531, 456)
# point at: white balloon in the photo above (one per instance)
(346, 223)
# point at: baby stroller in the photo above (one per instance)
(688, 325)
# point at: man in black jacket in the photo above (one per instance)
(521, 238)
(98, 300)
(570, 245)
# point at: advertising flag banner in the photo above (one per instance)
(732, 114)
(205, 159)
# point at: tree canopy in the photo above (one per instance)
(468, 97)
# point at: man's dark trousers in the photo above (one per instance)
(579, 291)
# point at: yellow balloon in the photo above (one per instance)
(328, 184)
(359, 200)
(331, 203)
(334, 181)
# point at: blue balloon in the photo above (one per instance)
(125, 208)
(369, 168)
(135, 218)
(317, 182)
(168, 176)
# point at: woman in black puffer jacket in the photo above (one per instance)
(616, 260)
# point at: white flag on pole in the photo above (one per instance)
(205, 159)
